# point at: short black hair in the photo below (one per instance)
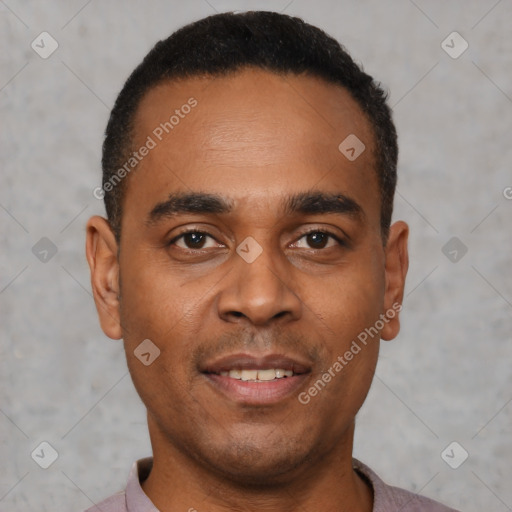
(228, 42)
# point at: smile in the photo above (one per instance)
(257, 375)
(250, 379)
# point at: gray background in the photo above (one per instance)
(445, 378)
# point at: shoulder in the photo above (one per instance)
(410, 502)
(116, 503)
(390, 499)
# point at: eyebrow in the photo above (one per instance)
(305, 203)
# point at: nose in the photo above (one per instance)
(259, 292)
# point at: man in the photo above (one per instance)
(250, 266)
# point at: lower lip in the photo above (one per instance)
(257, 393)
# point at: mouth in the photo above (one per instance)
(264, 375)
(256, 380)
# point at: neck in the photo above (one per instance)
(178, 482)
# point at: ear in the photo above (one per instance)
(397, 264)
(101, 251)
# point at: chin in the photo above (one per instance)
(250, 464)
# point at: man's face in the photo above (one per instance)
(267, 278)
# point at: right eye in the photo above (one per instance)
(191, 240)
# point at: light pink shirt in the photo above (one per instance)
(385, 497)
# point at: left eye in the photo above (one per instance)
(319, 240)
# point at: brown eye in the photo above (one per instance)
(318, 240)
(193, 240)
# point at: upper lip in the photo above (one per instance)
(244, 361)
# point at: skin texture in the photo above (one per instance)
(253, 138)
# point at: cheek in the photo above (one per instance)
(156, 351)
(151, 302)
(349, 311)
(160, 306)
(351, 299)
(165, 392)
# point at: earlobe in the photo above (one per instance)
(101, 251)
(397, 264)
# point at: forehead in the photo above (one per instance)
(249, 134)
(233, 108)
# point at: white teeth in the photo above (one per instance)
(249, 374)
(266, 374)
(258, 375)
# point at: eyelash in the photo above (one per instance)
(340, 241)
